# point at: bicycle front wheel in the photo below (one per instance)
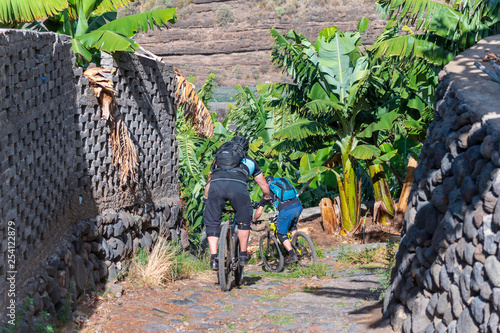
(270, 253)
(225, 257)
(304, 248)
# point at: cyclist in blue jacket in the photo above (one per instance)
(289, 212)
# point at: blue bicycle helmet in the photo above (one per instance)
(269, 179)
(242, 141)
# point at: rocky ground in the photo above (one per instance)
(343, 301)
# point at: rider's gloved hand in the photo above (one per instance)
(204, 200)
(264, 201)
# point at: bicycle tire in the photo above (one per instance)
(238, 274)
(304, 248)
(270, 253)
(225, 257)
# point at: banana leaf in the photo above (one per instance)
(15, 11)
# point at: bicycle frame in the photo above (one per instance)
(274, 228)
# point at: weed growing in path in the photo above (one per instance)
(166, 263)
(384, 279)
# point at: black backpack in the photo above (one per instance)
(229, 156)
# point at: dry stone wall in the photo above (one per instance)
(447, 274)
(73, 222)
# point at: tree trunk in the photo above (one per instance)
(382, 194)
(402, 205)
(330, 223)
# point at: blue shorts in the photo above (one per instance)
(288, 217)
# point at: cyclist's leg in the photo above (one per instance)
(283, 224)
(212, 215)
(287, 221)
(240, 201)
(293, 225)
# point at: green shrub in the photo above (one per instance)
(237, 72)
(224, 16)
(319, 252)
(183, 3)
(384, 279)
(348, 255)
(280, 11)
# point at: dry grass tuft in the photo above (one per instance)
(160, 265)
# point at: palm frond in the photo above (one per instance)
(130, 25)
(302, 129)
(12, 11)
(110, 5)
(309, 145)
(124, 154)
(206, 91)
(430, 16)
(108, 41)
(187, 154)
(426, 47)
(103, 89)
(194, 108)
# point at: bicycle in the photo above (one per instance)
(272, 251)
(229, 262)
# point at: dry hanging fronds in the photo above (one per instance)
(186, 96)
(124, 152)
(103, 89)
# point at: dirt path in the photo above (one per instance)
(343, 302)
(263, 304)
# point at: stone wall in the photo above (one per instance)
(73, 220)
(447, 274)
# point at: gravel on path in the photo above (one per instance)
(342, 303)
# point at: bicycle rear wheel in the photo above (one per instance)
(225, 257)
(270, 253)
(238, 273)
(304, 248)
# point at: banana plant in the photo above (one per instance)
(329, 76)
(444, 30)
(13, 13)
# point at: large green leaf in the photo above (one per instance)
(431, 16)
(12, 11)
(313, 173)
(334, 62)
(365, 152)
(385, 157)
(328, 33)
(384, 123)
(110, 5)
(108, 41)
(219, 129)
(128, 26)
(305, 164)
(82, 24)
(302, 129)
(414, 46)
(363, 24)
(98, 21)
(81, 50)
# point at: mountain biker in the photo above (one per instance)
(289, 212)
(230, 184)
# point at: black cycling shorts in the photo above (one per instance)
(219, 193)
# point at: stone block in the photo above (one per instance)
(492, 267)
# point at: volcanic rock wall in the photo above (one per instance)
(66, 221)
(447, 274)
